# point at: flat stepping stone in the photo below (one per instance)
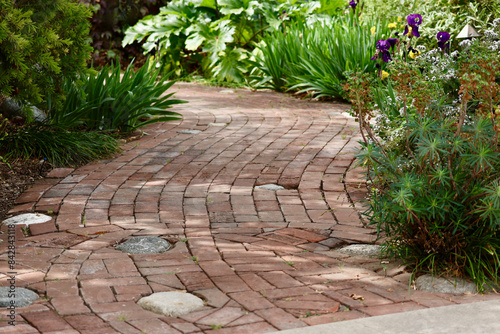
(217, 124)
(144, 245)
(362, 250)
(272, 187)
(172, 303)
(445, 285)
(227, 91)
(28, 219)
(189, 132)
(23, 297)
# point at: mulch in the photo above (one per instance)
(15, 177)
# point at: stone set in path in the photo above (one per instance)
(262, 260)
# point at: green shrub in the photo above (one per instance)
(41, 43)
(112, 100)
(58, 146)
(435, 185)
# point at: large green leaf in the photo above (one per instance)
(230, 66)
(197, 35)
(229, 7)
(223, 34)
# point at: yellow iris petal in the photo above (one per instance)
(414, 55)
(373, 29)
(385, 75)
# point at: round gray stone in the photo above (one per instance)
(362, 250)
(38, 115)
(143, 245)
(444, 285)
(272, 187)
(172, 303)
(189, 132)
(22, 297)
(28, 219)
(11, 108)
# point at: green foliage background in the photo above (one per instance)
(214, 38)
(110, 19)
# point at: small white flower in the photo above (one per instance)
(465, 43)
(490, 33)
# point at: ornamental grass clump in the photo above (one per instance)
(312, 58)
(114, 100)
(57, 146)
(435, 179)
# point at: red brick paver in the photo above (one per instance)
(262, 260)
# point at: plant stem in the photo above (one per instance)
(407, 128)
(462, 116)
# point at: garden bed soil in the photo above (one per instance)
(16, 177)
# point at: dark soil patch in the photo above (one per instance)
(16, 177)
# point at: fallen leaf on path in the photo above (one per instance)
(356, 297)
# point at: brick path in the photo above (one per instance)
(264, 261)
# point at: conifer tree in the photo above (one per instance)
(41, 43)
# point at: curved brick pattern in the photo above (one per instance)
(262, 260)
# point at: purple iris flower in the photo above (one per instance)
(386, 56)
(414, 20)
(383, 47)
(443, 37)
(353, 5)
(392, 42)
